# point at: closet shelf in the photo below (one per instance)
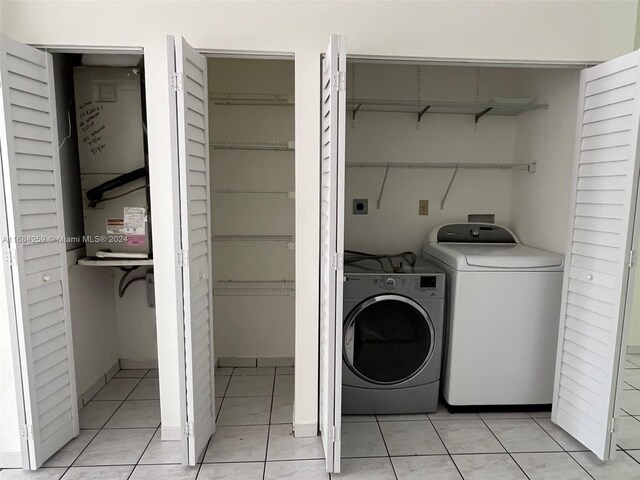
(530, 167)
(255, 288)
(271, 240)
(114, 262)
(282, 99)
(277, 146)
(268, 193)
(444, 107)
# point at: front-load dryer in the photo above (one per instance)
(392, 339)
(503, 314)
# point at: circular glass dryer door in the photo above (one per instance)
(387, 339)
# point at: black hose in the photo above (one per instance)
(95, 194)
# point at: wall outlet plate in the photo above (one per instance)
(423, 207)
(360, 206)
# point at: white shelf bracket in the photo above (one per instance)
(384, 180)
(444, 198)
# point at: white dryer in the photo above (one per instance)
(503, 311)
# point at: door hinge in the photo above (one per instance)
(183, 257)
(334, 434)
(337, 261)
(341, 81)
(176, 82)
(26, 431)
(613, 425)
(10, 257)
(188, 429)
(631, 258)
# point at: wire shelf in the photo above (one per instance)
(271, 240)
(268, 193)
(282, 99)
(255, 288)
(276, 146)
(114, 262)
(422, 107)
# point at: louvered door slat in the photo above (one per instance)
(33, 203)
(595, 283)
(195, 218)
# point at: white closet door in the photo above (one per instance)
(195, 218)
(332, 247)
(36, 256)
(597, 260)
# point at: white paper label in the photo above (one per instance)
(134, 220)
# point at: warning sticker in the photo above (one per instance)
(115, 226)
(134, 220)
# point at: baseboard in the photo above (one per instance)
(633, 349)
(96, 386)
(305, 429)
(170, 434)
(255, 362)
(127, 364)
(275, 361)
(10, 459)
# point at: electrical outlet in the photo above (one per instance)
(423, 207)
(360, 206)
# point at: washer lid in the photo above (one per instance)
(494, 257)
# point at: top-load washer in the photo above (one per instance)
(503, 312)
(392, 338)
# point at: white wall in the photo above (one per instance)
(633, 340)
(398, 138)
(252, 326)
(540, 202)
(516, 30)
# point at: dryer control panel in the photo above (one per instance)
(416, 286)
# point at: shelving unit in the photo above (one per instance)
(280, 288)
(273, 99)
(114, 262)
(422, 107)
(271, 145)
(285, 241)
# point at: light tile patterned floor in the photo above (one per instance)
(120, 439)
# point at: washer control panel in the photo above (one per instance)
(411, 285)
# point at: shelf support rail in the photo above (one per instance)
(444, 198)
(384, 180)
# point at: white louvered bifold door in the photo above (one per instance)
(332, 247)
(597, 260)
(35, 226)
(195, 219)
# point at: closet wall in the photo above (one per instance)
(252, 183)
(534, 205)
(399, 137)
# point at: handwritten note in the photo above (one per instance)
(91, 126)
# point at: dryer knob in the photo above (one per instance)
(474, 233)
(390, 282)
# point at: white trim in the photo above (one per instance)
(128, 364)
(275, 362)
(107, 50)
(86, 396)
(633, 349)
(10, 459)
(305, 430)
(469, 62)
(112, 371)
(170, 434)
(245, 54)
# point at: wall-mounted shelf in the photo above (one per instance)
(255, 288)
(423, 107)
(114, 262)
(281, 99)
(276, 146)
(285, 241)
(268, 193)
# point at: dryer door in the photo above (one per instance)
(388, 339)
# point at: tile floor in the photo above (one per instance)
(120, 439)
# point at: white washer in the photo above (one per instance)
(503, 314)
